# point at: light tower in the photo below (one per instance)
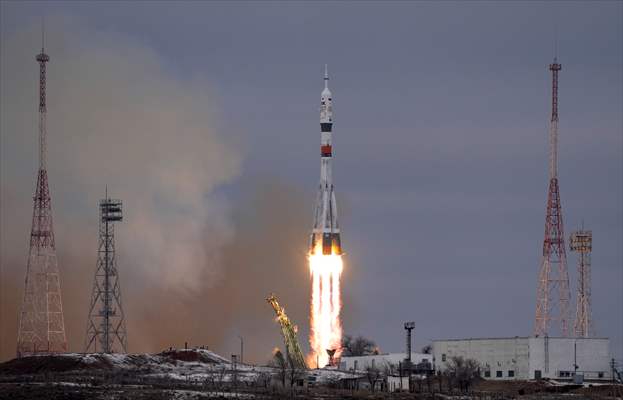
(41, 324)
(409, 326)
(582, 242)
(553, 275)
(106, 332)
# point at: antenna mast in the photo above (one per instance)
(41, 324)
(553, 272)
(42, 58)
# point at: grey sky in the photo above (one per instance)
(440, 140)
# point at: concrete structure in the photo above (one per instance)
(381, 361)
(530, 357)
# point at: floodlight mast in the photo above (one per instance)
(106, 330)
(409, 326)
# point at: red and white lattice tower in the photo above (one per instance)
(41, 325)
(552, 303)
(582, 242)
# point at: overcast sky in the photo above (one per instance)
(440, 142)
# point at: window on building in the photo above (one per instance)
(498, 374)
(443, 357)
(487, 374)
(564, 374)
(511, 373)
(600, 374)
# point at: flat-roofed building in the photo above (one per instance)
(529, 357)
(381, 361)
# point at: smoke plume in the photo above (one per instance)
(116, 117)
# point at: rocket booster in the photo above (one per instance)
(326, 231)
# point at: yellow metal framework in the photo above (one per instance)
(288, 331)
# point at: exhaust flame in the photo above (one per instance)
(326, 304)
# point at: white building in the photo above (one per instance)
(530, 357)
(381, 361)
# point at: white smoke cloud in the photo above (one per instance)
(116, 116)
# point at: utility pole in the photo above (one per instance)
(241, 349)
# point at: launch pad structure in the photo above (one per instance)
(294, 354)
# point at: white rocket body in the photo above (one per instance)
(326, 231)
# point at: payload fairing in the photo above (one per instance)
(326, 231)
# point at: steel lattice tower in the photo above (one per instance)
(582, 242)
(553, 273)
(41, 325)
(106, 332)
(289, 331)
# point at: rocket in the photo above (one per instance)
(326, 231)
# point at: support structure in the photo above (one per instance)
(553, 294)
(106, 331)
(294, 354)
(582, 242)
(41, 327)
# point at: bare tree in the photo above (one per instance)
(373, 374)
(428, 349)
(358, 346)
(262, 380)
(463, 371)
(220, 376)
(387, 368)
(440, 380)
(295, 373)
(279, 362)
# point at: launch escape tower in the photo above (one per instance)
(582, 242)
(106, 331)
(553, 274)
(41, 325)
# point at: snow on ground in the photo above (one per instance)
(191, 394)
(331, 375)
(186, 365)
